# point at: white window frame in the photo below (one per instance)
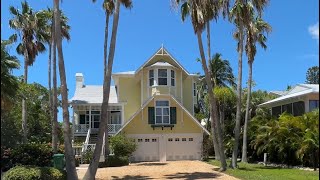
(172, 79)
(158, 77)
(194, 93)
(161, 107)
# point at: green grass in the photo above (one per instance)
(260, 172)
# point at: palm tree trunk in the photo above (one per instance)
(69, 154)
(213, 126)
(55, 96)
(24, 105)
(92, 169)
(238, 114)
(106, 143)
(213, 104)
(245, 138)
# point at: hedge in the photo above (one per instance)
(34, 173)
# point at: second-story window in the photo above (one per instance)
(162, 77)
(162, 112)
(151, 77)
(172, 78)
(194, 89)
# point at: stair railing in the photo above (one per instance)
(84, 146)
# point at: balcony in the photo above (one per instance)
(83, 128)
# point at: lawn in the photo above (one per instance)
(260, 172)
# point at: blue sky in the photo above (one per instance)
(293, 45)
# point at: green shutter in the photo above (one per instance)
(173, 115)
(82, 119)
(151, 115)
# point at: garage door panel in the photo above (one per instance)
(147, 149)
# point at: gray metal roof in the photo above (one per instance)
(93, 95)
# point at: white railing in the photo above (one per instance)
(86, 141)
(113, 128)
(81, 128)
(89, 147)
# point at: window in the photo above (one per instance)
(170, 139)
(146, 140)
(184, 139)
(151, 77)
(276, 111)
(313, 104)
(95, 118)
(162, 77)
(172, 78)
(298, 108)
(154, 140)
(139, 140)
(190, 139)
(176, 139)
(194, 89)
(162, 112)
(287, 108)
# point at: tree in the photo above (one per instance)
(312, 76)
(30, 25)
(199, 12)
(222, 76)
(241, 15)
(9, 83)
(92, 169)
(69, 154)
(255, 34)
(65, 28)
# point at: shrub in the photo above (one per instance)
(122, 146)
(116, 161)
(87, 156)
(6, 162)
(34, 173)
(32, 154)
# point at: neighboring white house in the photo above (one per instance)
(298, 100)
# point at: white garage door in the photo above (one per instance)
(167, 147)
(147, 149)
(183, 147)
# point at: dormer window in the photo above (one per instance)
(162, 77)
(172, 78)
(151, 77)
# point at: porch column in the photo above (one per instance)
(90, 117)
(73, 123)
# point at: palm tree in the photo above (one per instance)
(31, 28)
(9, 83)
(198, 11)
(222, 76)
(65, 28)
(255, 34)
(69, 154)
(92, 169)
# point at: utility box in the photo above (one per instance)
(58, 161)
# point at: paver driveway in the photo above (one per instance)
(156, 170)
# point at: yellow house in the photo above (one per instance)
(154, 105)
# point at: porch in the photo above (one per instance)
(87, 117)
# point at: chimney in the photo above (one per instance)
(79, 80)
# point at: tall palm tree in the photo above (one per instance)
(241, 14)
(92, 169)
(9, 83)
(30, 26)
(69, 154)
(222, 76)
(255, 34)
(65, 28)
(198, 11)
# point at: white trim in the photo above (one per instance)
(141, 89)
(181, 93)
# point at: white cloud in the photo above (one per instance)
(314, 31)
